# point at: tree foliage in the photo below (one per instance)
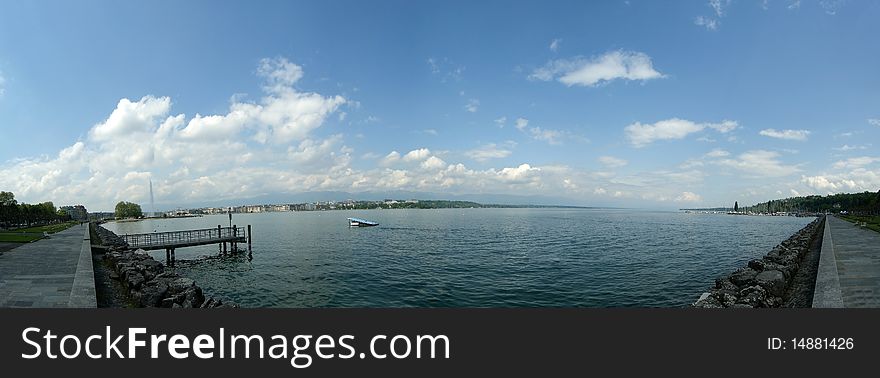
(14, 214)
(867, 203)
(128, 210)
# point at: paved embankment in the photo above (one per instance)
(849, 269)
(52, 272)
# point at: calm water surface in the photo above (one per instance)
(475, 257)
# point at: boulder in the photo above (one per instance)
(743, 277)
(134, 280)
(754, 296)
(153, 293)
(773, 281)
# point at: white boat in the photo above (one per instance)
(358, 222)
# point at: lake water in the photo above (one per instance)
(475, 257)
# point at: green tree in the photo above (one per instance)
(736, 206)
(128, 210)
(7, 199)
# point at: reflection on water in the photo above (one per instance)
(475, 257)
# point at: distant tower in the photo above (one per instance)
(152, 203)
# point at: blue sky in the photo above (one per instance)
(623, 103)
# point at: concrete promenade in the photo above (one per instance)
(849, 267)
(52, 272)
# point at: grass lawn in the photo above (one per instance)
(873, 222)
(26, 235)
(17, 237)
(52, 228)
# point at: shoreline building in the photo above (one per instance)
(76, 212)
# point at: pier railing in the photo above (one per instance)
(187, 237)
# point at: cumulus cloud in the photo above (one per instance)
(798, 135)
(205, 157)
(759, 164)
(612, 162)
(641, 135)
(417, 155)
(521, 123)
(487, 152)
(391, 158)
(871, 121)
(613, 65)
(688, 197)
(500, 121)
(132, 118)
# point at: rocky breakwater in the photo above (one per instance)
(147, 282)
(773, 280)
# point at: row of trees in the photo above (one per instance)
(14, 214)
(866, 203)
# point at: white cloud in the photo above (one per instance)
(547, 135)
(132, 118)
(501, 121)
(717, 153)
(2, 84)
(759, 164)
(847, 147)
(831, 7)
(203, 158)
(612, 162)
(390, 159)
(830, 184)
(433, 162)
(718, 6)
(472, 105)
(856, 162)
(707, 22)
(487, 152)
(279, 73)
(799, 135)
(417, 155)
(641, 135)
(445, 69)
(613, 65)
(871, 121)
(430, 131)
(521, 123)
(688, 197)
(794, 4)
(724, 126)
(554, 45)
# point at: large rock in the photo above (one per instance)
(134, 280)
(743, 277)
(754, 296)
(153, 293)
(773, 281)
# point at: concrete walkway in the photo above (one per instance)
(853, 254)
(52, 272)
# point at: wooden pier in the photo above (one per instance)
(169, 241)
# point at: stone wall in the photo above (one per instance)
(764, 282)
(147, 282)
